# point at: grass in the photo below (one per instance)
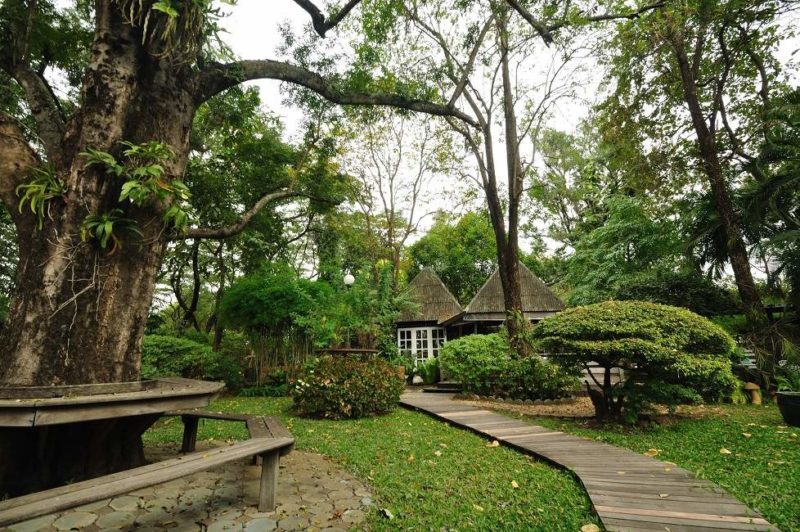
(763, 469)
(429, 475)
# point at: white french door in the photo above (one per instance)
(421, 342)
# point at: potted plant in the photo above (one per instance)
(788, 396)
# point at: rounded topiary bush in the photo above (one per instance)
(672, 355)
(483, 365)
(170, 356)
(341, 388)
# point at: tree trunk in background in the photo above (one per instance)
(516, 324)
(737, 250)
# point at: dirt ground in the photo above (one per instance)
(581, 408)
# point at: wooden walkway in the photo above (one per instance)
(629, 491)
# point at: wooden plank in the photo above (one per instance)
(88, 412)
(222, 416)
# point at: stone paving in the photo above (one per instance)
(313, 494)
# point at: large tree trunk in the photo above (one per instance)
(78, 312)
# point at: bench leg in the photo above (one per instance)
(189, 433)
(269, 481)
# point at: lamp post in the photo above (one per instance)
(348, 281)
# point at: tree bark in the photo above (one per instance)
(78, 313)
(737, 250)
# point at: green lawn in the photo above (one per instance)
(429, 475)
(763, 469)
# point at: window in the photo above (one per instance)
(421, 342)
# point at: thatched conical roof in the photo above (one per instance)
(538, 300)
(434, 300)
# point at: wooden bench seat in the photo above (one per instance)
(268, 440)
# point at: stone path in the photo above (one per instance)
(629, 491)
(313, 494)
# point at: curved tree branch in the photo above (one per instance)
(17, 160)
(321, 23)
(217, 77)
(241, 224)
(546, 30)
(44, 109)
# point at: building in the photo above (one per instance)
(438, 317)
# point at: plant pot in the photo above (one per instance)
(789, 405)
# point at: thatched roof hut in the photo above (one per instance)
(433, 301)
(538, 301)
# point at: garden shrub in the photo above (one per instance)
(483, 365)
(429, 371)
(169, 356)
(674, 355)
(343, 387)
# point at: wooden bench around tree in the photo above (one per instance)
(269, 440)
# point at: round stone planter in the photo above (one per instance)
(789, 405)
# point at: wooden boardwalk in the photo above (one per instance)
(629, 491)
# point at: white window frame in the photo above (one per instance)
(407, 342)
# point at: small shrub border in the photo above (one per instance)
(346, 388)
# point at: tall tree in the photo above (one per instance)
(705, 67)
(107, 167)
(484, 63)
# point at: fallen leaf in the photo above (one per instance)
(386, 514)
(514, 484)
(494, 443)
(746, 434)
(410, 458)
(437, 453)
(663, 495)
(477, 508)
(651, 452)
(443, 445)
(724, 451)
(620, 472)
(590, 528)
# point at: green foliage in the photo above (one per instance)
(483, 365)
(363, 313)
(145, 180)
(674, 355)
(787, 375)
(629, 241)
(429, 371)
(169, 356)
(342, 388)
(684, 288)
(272, 300)
(37, 193)
(462, 252)
(108, 227)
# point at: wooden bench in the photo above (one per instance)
(269, 440)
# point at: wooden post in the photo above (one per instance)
(189, 433)
(269, 481)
